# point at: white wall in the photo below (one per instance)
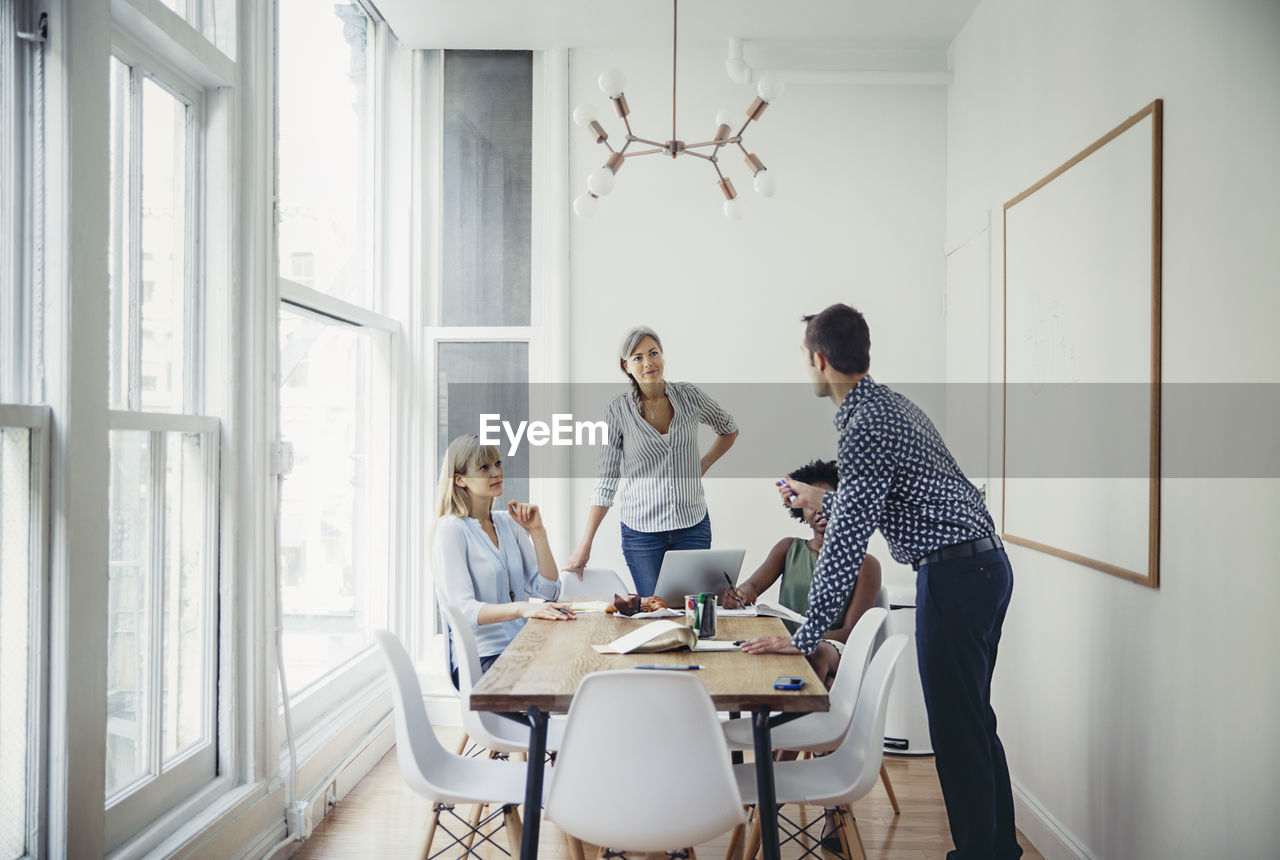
(1142, 723)
(858, 218)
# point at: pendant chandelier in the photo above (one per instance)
(612, 83)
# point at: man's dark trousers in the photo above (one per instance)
(960, 607)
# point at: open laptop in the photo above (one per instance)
(693, 571)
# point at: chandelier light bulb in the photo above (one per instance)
(771, 88)
(600, 181)
(766, 184)
(724, 116)
(612, 82)
(583, 115)
(733, 209)
(586, 205)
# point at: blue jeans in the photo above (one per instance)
(960, 606)
(644, 550)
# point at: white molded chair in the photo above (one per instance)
(597, 583)
(441, 777)
(607, 789)
(848, 773)
(823, 731)
(496, 733)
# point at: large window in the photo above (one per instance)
(335, 502)
(24, 446)
(485, 303)
(335, 358)
(163, 514)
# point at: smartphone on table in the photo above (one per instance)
(788, 682)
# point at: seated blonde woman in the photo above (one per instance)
(490, 563)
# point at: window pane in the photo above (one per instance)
(129, 600)
(147, 252)
(488, 188)
(324, 122)
(334, 504)
(474, 379)
(15, 581)
(164, 259)
(188, 579)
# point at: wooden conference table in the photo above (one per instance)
(539, 672)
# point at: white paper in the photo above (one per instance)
(764, 607)
(636, 638)
(715, 645)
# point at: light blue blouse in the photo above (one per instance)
(470, 571)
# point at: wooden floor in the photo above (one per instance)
(382, 818)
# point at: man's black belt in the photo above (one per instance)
(959, 550)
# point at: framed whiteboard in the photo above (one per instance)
(1081, 413)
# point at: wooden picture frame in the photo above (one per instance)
(1088, 219)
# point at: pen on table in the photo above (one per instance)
(733, 588)
(669, 668)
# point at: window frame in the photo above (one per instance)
(37, 421)
(155, 43)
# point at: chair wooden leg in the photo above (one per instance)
(804, 825)
(888, 787)
(851, 837)
(511, 818)
(734, 851)
(476, 811)
(431, 829)
(462, 747)
(753, 840)
(693, 855)
(574, 845)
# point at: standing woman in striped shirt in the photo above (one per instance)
(653, 443)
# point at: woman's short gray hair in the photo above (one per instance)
(632, 339)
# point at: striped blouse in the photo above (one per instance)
(663, 471)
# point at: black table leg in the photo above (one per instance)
(533, 785)
(736, 756)
(766, 805)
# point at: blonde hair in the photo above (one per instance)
(630, 341)
(462, 453)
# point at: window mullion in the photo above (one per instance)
(193, 271)
(132, 287)
(151, 737)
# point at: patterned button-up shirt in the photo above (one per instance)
(896, 475)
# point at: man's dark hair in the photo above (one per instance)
(815, 472)
(841, 334)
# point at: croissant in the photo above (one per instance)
(630, 604)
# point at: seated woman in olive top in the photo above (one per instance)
(793, 559)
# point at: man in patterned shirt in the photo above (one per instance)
(897, 475)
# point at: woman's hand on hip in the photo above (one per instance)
(527, 515)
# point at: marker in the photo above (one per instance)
(783, 483)
(668, 668)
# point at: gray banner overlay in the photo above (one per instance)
(1076, 430)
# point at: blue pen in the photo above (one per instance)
(668, 668)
